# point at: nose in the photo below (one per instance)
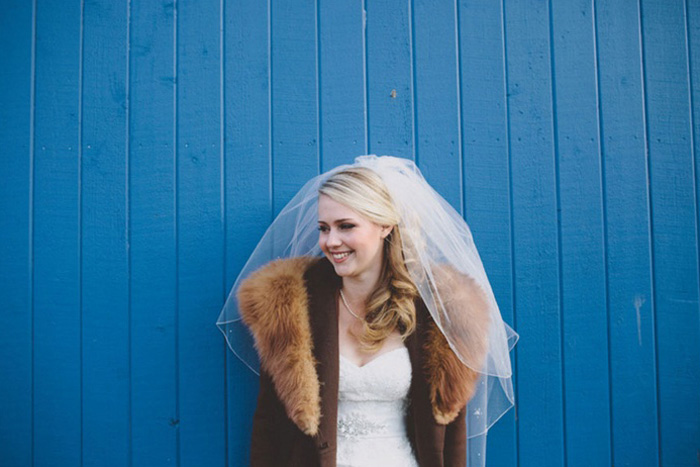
(333, 239)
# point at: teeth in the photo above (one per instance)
(340, 255)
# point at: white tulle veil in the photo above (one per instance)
(434, 235)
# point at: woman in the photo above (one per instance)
(370, 354)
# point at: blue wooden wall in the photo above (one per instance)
(146, 146)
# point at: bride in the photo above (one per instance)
(370, 352)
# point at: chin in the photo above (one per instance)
(341, 270)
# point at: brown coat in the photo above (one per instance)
(290, 306)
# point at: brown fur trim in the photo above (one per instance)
(452, 384)
(274, 304)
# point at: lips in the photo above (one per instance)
(339, 257)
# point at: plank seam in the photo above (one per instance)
(414, 93)
(222, 204)
(128, 229)
(650, 210)
(176, 201)
(560, 259)
(604, 193)
(32, 146)
(691, 98)
(271, 174)
(319, 122)
(460, 135)
(510, 211)
(81, 66)
(365, 70)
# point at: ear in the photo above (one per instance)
(386, 230)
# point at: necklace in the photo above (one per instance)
(345, 302)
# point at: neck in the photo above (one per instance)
(357, 289)
(357, 292)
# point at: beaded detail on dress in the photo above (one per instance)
(356, 425)
(371, 412)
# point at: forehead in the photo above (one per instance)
(330, 210)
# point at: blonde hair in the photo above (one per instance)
(390, 306)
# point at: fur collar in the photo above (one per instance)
(274, 303)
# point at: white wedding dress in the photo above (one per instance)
(371, 412)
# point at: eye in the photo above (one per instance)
(323, 228)
(346, 226)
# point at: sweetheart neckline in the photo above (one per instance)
(379, 357)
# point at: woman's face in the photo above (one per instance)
(351, 242)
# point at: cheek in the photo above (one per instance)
(371, 245)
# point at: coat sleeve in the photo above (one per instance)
(455, 454)
(266, 421)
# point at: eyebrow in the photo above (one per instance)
(337, 221)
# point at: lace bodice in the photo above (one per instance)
(371, 412)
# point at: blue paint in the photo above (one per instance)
(57, 338)
(294, 113)
(628, 262)
(147, 148)
(342, 95)
(535, 235)
(389, 78)
(486, 172)
(200, 237)
(16, 94)
(674, 229)
(582, 254)
(152, 236)
(104, 255)
(247, 195)
(437, 97)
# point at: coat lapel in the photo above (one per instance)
(323, 287)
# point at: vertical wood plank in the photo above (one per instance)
(486, 172)
(57, 407)
(16, 88)
(246, 130)
(437, 97)
(105, 269)
(693, 38)
(675, 248)
(200, 241)
(584, 313)
(152, 252)
(342, 82)
(294, 97)
(630, 300)
(535, 232)
(247, 201)
(389, 78)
